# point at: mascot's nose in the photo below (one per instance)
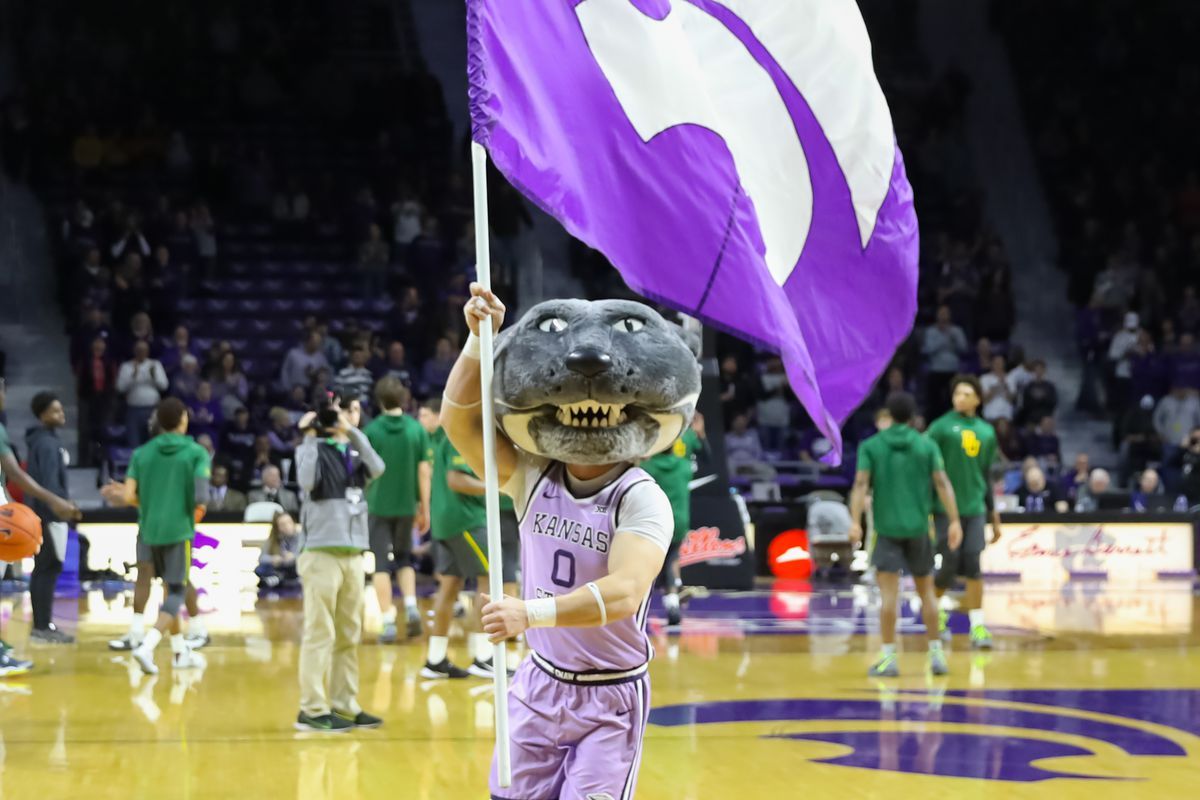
(588, 361)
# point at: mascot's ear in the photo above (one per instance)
(502, 339)
(690, 338)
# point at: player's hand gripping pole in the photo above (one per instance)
(483, 268)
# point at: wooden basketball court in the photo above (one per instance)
(1089, 694)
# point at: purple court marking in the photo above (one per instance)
(950, 755)
(1132, 740)
(1175, 708)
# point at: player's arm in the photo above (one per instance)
(463, 483)
(462, 412)
(945, 493)
(858, 503)
(63, 509)
(634, 563)
(424, 483)
(989, 497)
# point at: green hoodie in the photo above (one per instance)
(901, 463)
(166, 470)
(402, 444)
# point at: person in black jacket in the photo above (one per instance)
(48, 461)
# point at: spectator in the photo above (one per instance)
(1043, 444)
(744, 451)
(229, 384)
(331, 346)
(1098, 484)
(1009, 441)
(128, 294)
(204, 236)
(237, 447)
(181, 346)
(131, 239)
(943, 346)
(264, 459)
(736, 392)
(374, 254)
(1148, 369)
(396, 365)
(141, 380)
(981, 362)
(1188, 314)
(1040, 398)
(772, 413)
(277, 564)
(355, 379)
(1076, 479)
(1140, 442)
(436, 370)
(48, 460)
(1038, 497)
(1185, 364)
(997, 395)
(220, 496)
(1176, 415)
(1150, 493)
(1120, 357)
(813, 445)
(140, 330)
(273, 491)
(410, 322)
(206, 441)
(96, 378)
(204, 412)
(282, 433)
(406, 221)
(1021, 373)
(1187, 461)
(186, 382)
(302, 363)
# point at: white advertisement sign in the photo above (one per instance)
(1051, 553)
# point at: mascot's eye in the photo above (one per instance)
(629, 325)
(552, 325)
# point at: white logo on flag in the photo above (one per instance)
(691, 69)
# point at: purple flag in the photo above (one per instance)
(734, 159)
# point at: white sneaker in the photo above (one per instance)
(197, 640)
(188, 659)
(145, 659)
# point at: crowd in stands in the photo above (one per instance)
(185, 207)
(1109, 92)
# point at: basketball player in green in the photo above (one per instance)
(672, 469)
(968, 447)
(897, 466)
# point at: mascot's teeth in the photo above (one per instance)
(591, 414)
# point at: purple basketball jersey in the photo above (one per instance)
(565, 542)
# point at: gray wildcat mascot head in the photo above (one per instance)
(595, 382)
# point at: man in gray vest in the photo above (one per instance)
(333, 465)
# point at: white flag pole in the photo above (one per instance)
(483, 268)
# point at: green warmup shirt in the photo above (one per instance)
(5, 450)
(968, 448)
(452, 513)
(166, 469)
(402, 444)
(901, 463)
(672, 469)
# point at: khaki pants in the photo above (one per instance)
(333, 606)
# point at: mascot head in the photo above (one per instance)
(595, 382)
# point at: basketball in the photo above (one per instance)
(20, 532)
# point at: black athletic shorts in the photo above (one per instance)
(462, 556)
(391, 541)
(895, 555)
(172, 562)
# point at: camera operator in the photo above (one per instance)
(1187, 461)
(333, 465)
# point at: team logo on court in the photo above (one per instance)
(1019, 736)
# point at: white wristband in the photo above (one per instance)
(600, 602)
(542, 612)
(471, 348)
